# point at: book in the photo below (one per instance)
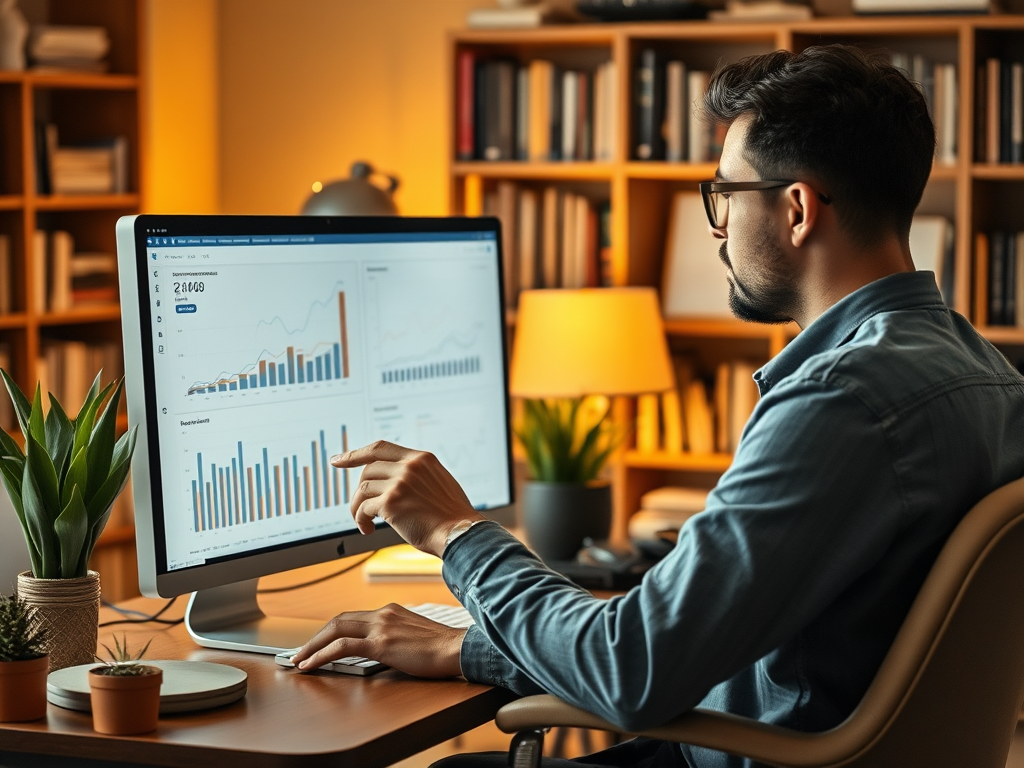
(698, 418)
(5, 276)
(930, 237)
(40, 257)
(649, 107)
(675, 499)
(61, 249)
(523, 113)
(992, 105)
(672, 413)
(402, 562)
(743, 397)
(762, 10)
(694, 281)
(550, 231)
(465, 141)
(570, 114)
(1016, 139)
(723, 387)
(698, 132)
(528, 234)
(923, 6)
(498, 127)
(676, 113)
(539, 140)
(1010, 280)
(506, 199)
(996, 274)
(525, 16)
(647, 431)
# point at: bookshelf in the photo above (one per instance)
(85, 107)
(977, 196)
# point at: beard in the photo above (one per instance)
(768, 295)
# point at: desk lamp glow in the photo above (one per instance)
(569, 345)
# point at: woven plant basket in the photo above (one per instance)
(69, 610)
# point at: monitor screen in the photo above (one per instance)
(258, 347)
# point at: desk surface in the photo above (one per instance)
(285, 718)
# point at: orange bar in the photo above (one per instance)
(277, 486)
(199, 506)
(252, 495)
(344, 335)
(223, 500)
(305, 474)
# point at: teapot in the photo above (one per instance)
(354, 196)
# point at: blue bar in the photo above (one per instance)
(234, 490)
(273, 375)
(328, 368)
(252, 380)
(316, 475)
(266, 480)
(232, 385)
(243, 382)
(202, 489)
(295, 474)
(327, 477)
(216, 504)
(319, 369)
(287, 489)
(259, 495)
(263, 379)
(302, 370)
(309, 370)
(277, 496)
(241, 478)
(344, 473)
(195, 509)
(291, 366)
(222, 387)
(337, 360)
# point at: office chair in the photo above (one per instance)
(948, 692)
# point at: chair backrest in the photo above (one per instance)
(951, 687)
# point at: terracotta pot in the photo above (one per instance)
(23, 689)
(125, 704)
(69, 610)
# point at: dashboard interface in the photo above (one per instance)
(272, 353)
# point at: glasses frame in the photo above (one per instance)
(709, 188)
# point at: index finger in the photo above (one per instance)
(380, 450)
(352, 625)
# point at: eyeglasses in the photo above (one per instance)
(716, 196)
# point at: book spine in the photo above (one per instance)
(996, 272)
(992, 111)
(675, 119)
(491, 126)
(523, 113)
(555, 114)
(465, 92)
(479, 110)
(1010, 280)
(570, 113)
(980, 112)
(1005, 111)
(1016, 112)
(584, 116)
(646, 120)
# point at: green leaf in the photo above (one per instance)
(36, 426)
(12, 482)
(72, 527)
(101, 444)
(22, 407)
(94, 390)
(78, 475)
(86, 418)
(60, 435)
(40, 528)
(99, 506)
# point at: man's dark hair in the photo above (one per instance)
(839, 118)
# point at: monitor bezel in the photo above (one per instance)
(132, 231)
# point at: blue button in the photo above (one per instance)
(185, 309)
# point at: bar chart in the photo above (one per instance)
(254, 485)
(319, 361)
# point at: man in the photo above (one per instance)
(878, 427)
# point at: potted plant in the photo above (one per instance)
(125, 693)
(62, 487)
(24, 663)
(567, 442)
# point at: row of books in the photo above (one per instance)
(68, 280)
(67, 369)
(536, 111)
(700, 415)
(1004, 253)
(999, 112)
(97, 167)
(65, 47)
(667, 120)
(938, 83)
(552, 238)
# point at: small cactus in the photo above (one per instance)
(21, 638)
(121, 662)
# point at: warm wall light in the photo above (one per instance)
(572, 343)
(317, 186)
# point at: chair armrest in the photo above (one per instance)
(699, 727)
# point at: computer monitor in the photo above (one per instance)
(256, 347)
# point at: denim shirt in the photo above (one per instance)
(878, 427)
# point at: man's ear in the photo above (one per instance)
(803, 208)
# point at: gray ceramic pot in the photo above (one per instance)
(559, 516)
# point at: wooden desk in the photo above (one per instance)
(285, 718)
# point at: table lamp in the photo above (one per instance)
(569, 346)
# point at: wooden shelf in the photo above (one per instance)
(671, 171)
(1003, 335)
(1000, 172)
(85, 202)
(11, 202)
(72, 80)
(682, 462)
(100, 314)
(564, 171)
(14, 320)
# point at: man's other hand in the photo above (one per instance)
(392, 635)
(408, 489)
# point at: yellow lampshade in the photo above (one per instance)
(594, 341)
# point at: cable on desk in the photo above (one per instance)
(328, 577)
(144, 618)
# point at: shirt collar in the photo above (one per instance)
(901, 291)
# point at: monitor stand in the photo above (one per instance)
(229, 617)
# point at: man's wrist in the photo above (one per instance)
(459, 528)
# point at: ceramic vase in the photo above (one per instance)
(23, 689)
(13, 33)
(69, 611)
(558, 517)
(123, 705)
